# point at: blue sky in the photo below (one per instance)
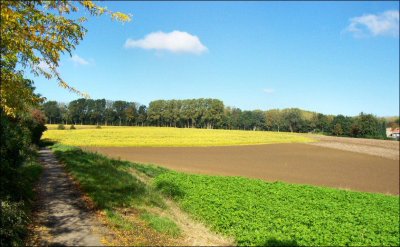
(329, 57)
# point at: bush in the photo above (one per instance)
(14, 144)
(72, 127)
(98, 127)
(13, 223)
(37, 126)
(61, 127)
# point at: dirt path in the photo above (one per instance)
(62, 217)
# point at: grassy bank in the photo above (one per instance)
(120, 197)
(259, 213)
(165, 137)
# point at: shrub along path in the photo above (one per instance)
(62, 217)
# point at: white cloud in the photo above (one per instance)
(176, 41)
(383, 24)
(78, 60)
(268, 90)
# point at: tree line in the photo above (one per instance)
(212, 114)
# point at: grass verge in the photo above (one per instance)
(259, 213)
(162, 224)
(121, 196)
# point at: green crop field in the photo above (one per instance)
(253, 212)
(259, 213)
(111, 136)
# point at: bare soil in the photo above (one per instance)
(293, 163)
(382, 148)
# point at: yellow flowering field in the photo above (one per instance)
(113, 136)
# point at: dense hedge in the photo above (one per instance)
(18, 172)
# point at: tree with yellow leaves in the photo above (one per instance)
(32, 33)
(35, 33)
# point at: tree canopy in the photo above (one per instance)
(33, 36)
(211, 114)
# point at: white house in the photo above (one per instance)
(393, 133)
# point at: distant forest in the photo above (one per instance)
(212, 114)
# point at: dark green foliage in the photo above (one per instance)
(169, 189)
(52, 111)
(18, 170)
(211, 114)
(392, 122)
(252, 120)
(13, 223)
(275, 242)
(14, 146)
(61, 127)
(76, 110)
(194, 113)
(17, 137)
(345, 124)
(322, 122)
(337, 129)
(293, 120)
(36, 125)
(370, 126)
(16, 203)
(142, 115)
(88, 111)
(259, 213)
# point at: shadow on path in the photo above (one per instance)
(61, 210)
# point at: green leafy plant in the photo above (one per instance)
(259, 213)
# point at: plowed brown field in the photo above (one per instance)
(382, 148)
(293, 163)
